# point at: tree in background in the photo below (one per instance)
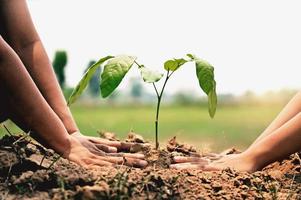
(93, 86)
(185, 98)
(59, 64)
(136, 88)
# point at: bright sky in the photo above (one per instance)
(254, 45)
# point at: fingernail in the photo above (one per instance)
(176, 158)
(116, 143)
(143, 163)
(113, 149)
(172, 166)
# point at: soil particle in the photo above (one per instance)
(99, 190)
(232, 150)
(140, 148)
(135, 138)
(216, 187)
(108, 135)
(244, 180)
(7, 160)
(275, 174)
(158, 159)
(174, 146)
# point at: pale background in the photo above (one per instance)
(254, 45)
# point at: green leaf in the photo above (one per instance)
(205, 74)
(212, 102)
(150, 76)
(173, 65)
(113, 73)
(192, 57)
(170, 65)
(85, 80)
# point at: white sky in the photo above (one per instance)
(254, 45)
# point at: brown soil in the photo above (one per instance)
(24, 176)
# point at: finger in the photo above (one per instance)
(197, 166)
(93, 167)
(213, 156)
(128, 155)
(125, 146)
(184, 166)
(210, 154)
(131, 162)
(106, 148)
(97, 152)
(194, 154)
(104, 141)
(181, 159)
(210, 168)
(96, 160)
(102, 163)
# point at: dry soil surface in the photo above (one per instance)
(27, 172)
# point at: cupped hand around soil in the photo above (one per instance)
(92, 152)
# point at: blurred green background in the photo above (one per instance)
(233, 125)
(239, 118)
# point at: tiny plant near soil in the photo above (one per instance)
(116, 67)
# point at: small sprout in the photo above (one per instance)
(117, 67)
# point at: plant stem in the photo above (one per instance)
(159, 96)
(157, 93)
(139, 66)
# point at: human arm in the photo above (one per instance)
(288, 112)
(18, 29)
(23, 103)
(18, 87)
(275, 146)
(20, 33)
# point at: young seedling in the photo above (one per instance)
(117, 67)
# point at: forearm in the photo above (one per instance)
(18, 30)
(289, 111)
(277, 145)
(18, 89)
(38, 65)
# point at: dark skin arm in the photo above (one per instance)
(20, 34)
(18, 30)
(22, 48)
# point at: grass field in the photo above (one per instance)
(232, 126)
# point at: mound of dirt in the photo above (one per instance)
(29, 171)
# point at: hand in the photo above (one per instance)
(238, 162)
(215, 156)
(95, 145)
(104, 147)
(82, 156)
